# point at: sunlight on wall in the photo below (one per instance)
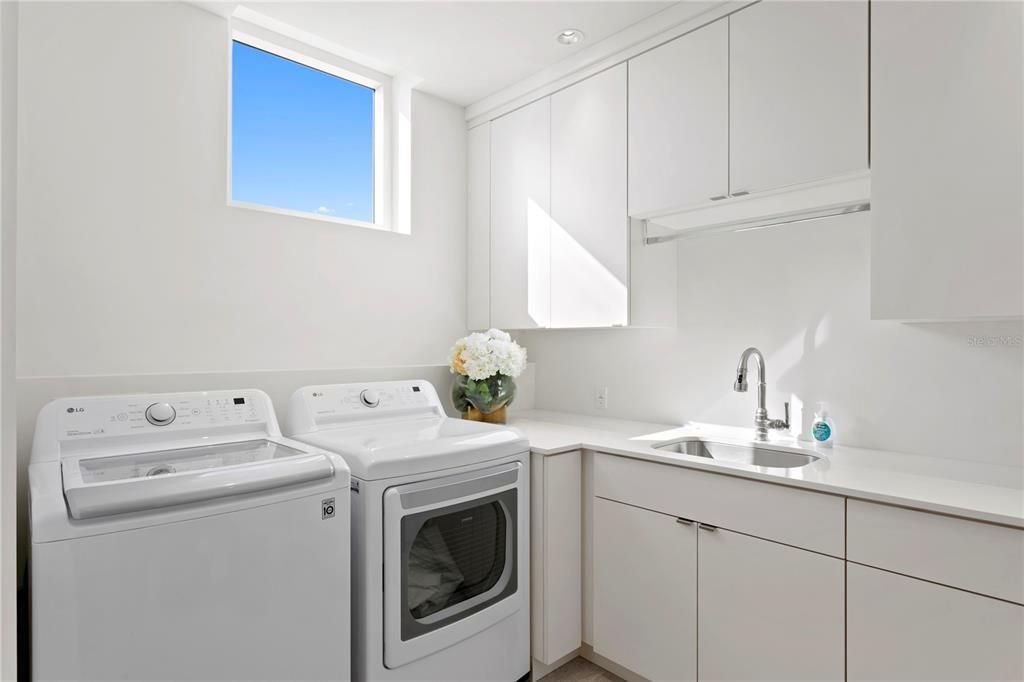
(401, 157)
(584, 293)
(567, 286)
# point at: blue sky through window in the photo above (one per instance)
(301, 139)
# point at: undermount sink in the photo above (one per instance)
(739, 454)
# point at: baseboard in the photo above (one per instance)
(587, 652)
(539, 669)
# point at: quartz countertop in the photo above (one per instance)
(984, 492)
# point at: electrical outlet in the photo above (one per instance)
(601, 398)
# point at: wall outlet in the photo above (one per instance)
(601, 398)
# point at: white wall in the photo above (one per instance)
(129, 259)
(801, 294)
(134, 274)
(8, 215)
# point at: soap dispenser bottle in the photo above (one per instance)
(822, 429)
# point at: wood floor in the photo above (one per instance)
(581, 670)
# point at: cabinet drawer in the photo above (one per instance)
(971, 555)
(800, 518)
(900, 628)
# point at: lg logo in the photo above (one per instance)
(73, 410)
(327, 508)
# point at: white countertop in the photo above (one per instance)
(979, 491)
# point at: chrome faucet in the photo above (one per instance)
(761, 421)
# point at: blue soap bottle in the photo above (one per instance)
(822, 428)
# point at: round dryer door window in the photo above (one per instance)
(457, 560)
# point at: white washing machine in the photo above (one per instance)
(440, 529)
(180, 537)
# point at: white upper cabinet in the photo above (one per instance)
(478, 227)
(679, 122)
(520, 262)
(559, 232)
(589, 227)
(948, 160)
(798, 108)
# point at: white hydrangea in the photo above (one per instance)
(484, 354)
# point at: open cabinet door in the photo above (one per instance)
(8, 454)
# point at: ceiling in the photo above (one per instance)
(462, 51)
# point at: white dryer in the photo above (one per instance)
(179, 536)
(440, 530)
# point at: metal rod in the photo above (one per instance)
(754, 224)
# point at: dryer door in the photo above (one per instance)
(451, 566)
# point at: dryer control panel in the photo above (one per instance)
(167, 412)
(315, 406)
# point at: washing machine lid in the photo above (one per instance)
(390, 448)
(116, 484)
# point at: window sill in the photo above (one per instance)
(310, 216)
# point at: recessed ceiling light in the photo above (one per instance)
(570, 36)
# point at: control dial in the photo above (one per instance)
(369, 398)
(160, 414)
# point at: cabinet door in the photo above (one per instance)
(478, 227)
(645, 578)
(520, 217)
(768, 611)
(589, 230)
(679, 121)
(901, 628)
(556, 555)
(798, 92)
(947, 178)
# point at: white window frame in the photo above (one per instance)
(389, 206)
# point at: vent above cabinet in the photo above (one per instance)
(796, 203)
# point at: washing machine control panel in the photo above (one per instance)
(125, 415)
(330, 403)
(160, 414)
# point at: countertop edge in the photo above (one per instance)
(595, 445)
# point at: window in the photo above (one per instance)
(305, 136)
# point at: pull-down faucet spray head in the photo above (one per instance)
(740, 385)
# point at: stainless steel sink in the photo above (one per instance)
(739, 454)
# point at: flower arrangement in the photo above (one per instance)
(485, 365)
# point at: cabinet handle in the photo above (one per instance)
(741, 193)
(719, 197)
(685, 522)
(709, 528)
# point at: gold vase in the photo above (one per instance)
(499, 416)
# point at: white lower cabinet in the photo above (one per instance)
(901, 628)
(767, 611)
(556, 553)
(645, 591)
(715, 584)
(679, 600)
